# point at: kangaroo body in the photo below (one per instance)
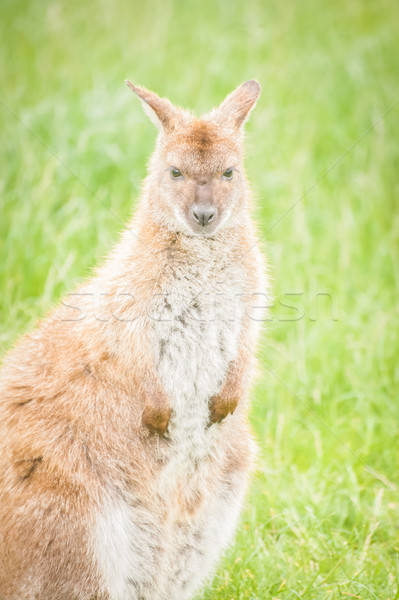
(124, 444)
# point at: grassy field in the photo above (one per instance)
(322, 517)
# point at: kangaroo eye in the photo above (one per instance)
(175, 173)
(228, 174)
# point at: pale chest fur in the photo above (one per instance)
(195, 328)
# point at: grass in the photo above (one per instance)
(321, 521)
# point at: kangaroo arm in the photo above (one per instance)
(226, 401)
(156, 412)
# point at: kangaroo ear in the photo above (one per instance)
(235, 109)
(160, 110)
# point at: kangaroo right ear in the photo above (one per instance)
(160, 110)
(235, 109)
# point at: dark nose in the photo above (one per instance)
(203, 214)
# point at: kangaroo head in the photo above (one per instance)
(196, 183)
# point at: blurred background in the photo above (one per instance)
(321, 520)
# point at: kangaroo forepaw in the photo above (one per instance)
(220, 407)
(156, 419)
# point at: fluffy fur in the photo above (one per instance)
(124, 444)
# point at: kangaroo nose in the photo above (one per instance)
(203, 214)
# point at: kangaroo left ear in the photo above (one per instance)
(160, 110)
(235, 109)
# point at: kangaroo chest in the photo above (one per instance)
(196, 323)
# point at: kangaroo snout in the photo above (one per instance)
(203, 210)
(203, 214)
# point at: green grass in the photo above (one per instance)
(321, 521)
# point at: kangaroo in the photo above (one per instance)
(124, 444)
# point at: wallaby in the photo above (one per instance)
(124, 443)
